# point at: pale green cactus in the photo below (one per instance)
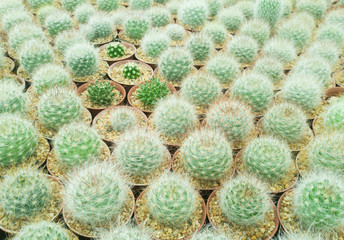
(173, 6)
(71, 5)
(287, 6)
(108, 5)
(14, 17)
(269, 10)
(83, 12)
(118, 18)
(36, 4)
(136, 25)
(270, 67)
(209, 234)
(159, 16)
(200, 46)
(281, 49)
(324, 49)
(216, 31)
(299, 236)
(7, 5)
(231, 18)
(12, 98)
(316, 8)
(258, 29)
(247, 8)
(98, 27)
(123, 119)
(175, 32)
(126, 232)
(140, 4)
(68, 38)
(335, 17)
(331, 32)
(334, 115)
(154, 43)
(243, 48)
(214, 7)
(44, 12)
(57, 22)
(193, 14)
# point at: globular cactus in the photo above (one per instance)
(44, 12)
(172, 200)
(233, 118)
(258, 29)
(82, 59)
(175, 64)
(200, 46)
(18, 140)
(48, 76)
(118, 18)
(126, 232)
(154, 43)
(108, 5)
(207, 155)
(216, 31)
(298, 236)
(175, 32)
(136, 26)
(287, 7)
(71, 5)
(174, 117)
(285, 121)
(68, 38)
(139, 152)
(12, 98)
(331, 32)
(131, 71)
(334, 115)
(209, 234)
(269, 10)
(83, 12)
(14, 17)
(316, 8)
(98, 27)
(322, 191)
(162, 2)
(95, 194)
(193, 14)
(173, 6)
(335, 17)
(270, 67)
(247, 8)
(268, 158)
(245, 200)
(57, 107)
(140, 4)
(281, 49)
(123, 119)
(115, 50)
(214, 7)
(36, 4)
(7, 5)
(34, 53)
(201, 89)
(254, 89)
(57, 22)
(243, 48)
(159, 16)
(231, 18)
(228, 3)
(324, 49)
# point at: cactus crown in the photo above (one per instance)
(200, 46)
(57, 22)
(193, 13)
(108, 5)
(131, 71)
(324, 49)
(258, 29)
(281, 49)
(136, 26)
(152, 91)
(334, 114)
(216, 31)
(101, 93)
(115, 50)
(175, 32)
(83, 12)
(70, 5)
(159, 16)
(123, 119)
(14, 17)
(42, 229)
(98, 27)
(68, 38)
(44, 12)
(269, 10)
(270, 67)
(247, 8)
(214, 6)
(154, 43)
(224, 67)
(243, 48)
(140, 4)
(118, 17)
(124, 232)
(231, 18)
(12, 98)
(316, 8)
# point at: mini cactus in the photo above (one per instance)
(175, 64)
(131, 71)
(57, 107)
(316, 8)
(258, 29)
(335, 17)
(245, 200)
(243, 48)
(18, 140)
(140, 4)
(231, 18)
(207, 155)
(324, 49)
(162, 2)
(108, 5)
(136, 26)
(82, 59)
(247, 8)
(285, 121)
(7, 5)
(12, 98)
(281, 49)
(14, 17)
(123, 119)
(173, 6)
(36, 4)
(159, 16)
(228, 3)
(44, 12)
(269, 10)
(98, 27)
(154, 43)
(118, 18)
(70, 5)
(193, 14)
(101, 93)
(255, 90)
(270, 67)
(115, 50)
(214, 6)
(83, 13)
(126, 232)
(57, 22)
(331, 32)
(200, 46)
(298, 236)
(68, 38)
(287, 7)
(172, 200)
(175, 32)
(209, 234)
(216, 31)
(334, 115)
(34, 53)
(152, 91)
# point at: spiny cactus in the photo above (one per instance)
(324, 49)
(108, 5)
(200, 46)
(175, 63)
(48, 76)
(334, 114)
(154, 43)
(207, 155)
(115, 50)
(214, 6)
(173, 6)
(7, 5)
(34, 53)
(322, 191)
(335, 17)
(139, 152)
(159, 16)
(245, 200)
(57, 22)
(118, 17)
(83, 12)
(14, 17)
(98, 27)
(233, 118)
(243, 48)
(331, 32)
(216, 31)
(281, 49)
(101, 93)
(67, 39)
(298, 236)
(231, 18)
(258, 29)
(174, 117)
(175, 32)
(270, 67)
(209, 234)
(316, 8)
(163, 2)
(247, 8)
(269, 10)
(123, 119)
(57, 107)
(44, 12)
(150, 92)
(126, 232)
(82, 59)
(228, 3)
(287, 6)
(36, 4)
(12, 98)
(172, 200)
(76, 144)
(225, 68)
(131, 71)
(136, 26)
(254, 89)
(18, 140)
(70, 5)
(285, 121)
(95, 194)
(140, 4)
(193, 14)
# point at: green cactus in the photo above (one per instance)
(12, 98)
(175, 32)
(34, 53)
(287, 8)
(331, 32)
(258, 29)
(201, 89)
(334, 115)
(126, 232)
(44, 12)
(243, 48)
(299, 236)
(115, 50)
(280, 49)
(324, 49)
(82, 59)
(101, 93)
(200, 46)
(71, 5)
(136, 26)
(123, 119)
(228, 3)
(159, 16)
(108, 5)
(98, 27)
(154, 43)
(214, 7)
(216, 31)
(193, 14)
(163, 2)
(316, 8)
(174, 117)
(36, 4)
(269, 10)
(255, 90)
(140, 4)
(233, 118)
(209, 234)
(173, 6)
(139, 152)
(172, 200)
(270, 67)
(14, 17)
(57, 107)
(57, 22)
(245, 200)
(118, 18)
(67, 39)
(7, 5)
(247, 8)
(231, 18)
(131, 71)
(175, 64)
(18, 140)
(207, 155)
(335, 17)
(83, 12)
(48, 76)
(285, 121)
(150, 92)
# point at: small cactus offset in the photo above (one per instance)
(131, 71)
(193, 14)
(98, 27)
(115, 50)
(316, 8)
(258, 29)
(175, 32)
(57, 22)
(324, 49)
(231, 18)
(101, 93)
(334, 115)
(154, 43)
(108, 5)
(280, 49)
(70, 5)
(270, 67)
(159, 17)
(126, 232)
(123, 119)
(217, 32)
(12, 98)
(245, 200)
(150, 92)
(140, 4)
(83, 12)
(207, 155)
(269, 10)
(136, 26)
(68, 38)
(243, 48)
(18, 140)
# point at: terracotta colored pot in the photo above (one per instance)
(127, 45)
(334, 92)
(152, 64)
(95, 111)
(279, 208)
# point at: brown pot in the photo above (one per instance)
(95, 111)
(334, 92)
(214, 226)
(127, 45)
(186, 238)
(12, 63)
(279, 208)
(153, 65)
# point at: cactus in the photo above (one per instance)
(200, 46)
(44, 12)
(172, 200)
(83, 12)
(233, 118)
(228, 3)
(285, 121)
(324, 49)
(225, 68)
(67, 39)
(101, 93)
(34, 53)
(136, 26)
(150, 92)
(331, 32)
(270, 67)
(316, 8)
(209, 234)
(214, 6)
(18, 140)
(123, 119)
(334, 114)
(159, 16)
(7, 5)
(269, 10)
(36, 4)
(82, 59)
(175, 64)
(335, 17)
(49, 76)
(42, 229)
(140, 4)
(118, 18)
(254, 89)
(95, 194)
(115, 50)
(247, 8)
(173, 6)
(216, 31)
(14, 17)
(126, 232)
(12, 98)
(322, 191)
(245, 200)
(57, 107)
(298, 236)
(131, 71)
(281, 49)
(139, 152)
(175, 32)
(174, 117)
(258, 29)
(154, 43)
(163, 2)
(231, 18)
(193, 14)
(201, 89)
(243, 48)
(287, 8)
(71, 5)
(108, 5)
(57, 22)
(207, 155)
(98, 27)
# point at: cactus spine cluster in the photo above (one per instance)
(331, 32)
(131, 71)
(123, 119)
(70, 5)
(200, 47)
(12, 98)
(243, 48)
(270, 67)
(231, 18)
(115, 50)
(269, 10)
(83, 12)
(23, 32)
(98, 27)
(214, 6)
(126, 232)
(14, 17)
(247, 8)
(57, 22)
(136, 26)
(281, 49)
(193, 14)
(44, 12)
(324, 49)
(316, 8)
(216, 31)
(209, 234)
(258, 29)
(140, 4)
(154, 43)
(68, 38)
(36, 4)
(159, 17)
(175, 32)
(108, 5)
